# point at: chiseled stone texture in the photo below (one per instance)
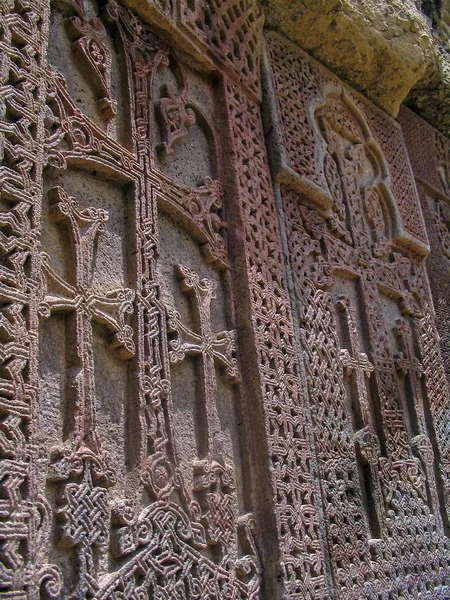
(355, 242)
(387, 49)
(125, 463)
(429, 152)
(215, 383)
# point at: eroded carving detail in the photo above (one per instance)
(302, 559)
(176, 118)
(385, 464)
(88, 36)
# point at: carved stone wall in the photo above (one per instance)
(429, 152)
(217, 381)
(125, 464)
(355, 243)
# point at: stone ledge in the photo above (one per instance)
(387, 49)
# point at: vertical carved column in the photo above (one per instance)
(273, 370)
(25, 515)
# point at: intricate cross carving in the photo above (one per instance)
(366, 440)
(212, 348)
(88, 304)
(355, 361)
(213, 478)
(408, 364)
(83, 513)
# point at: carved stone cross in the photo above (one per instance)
(405, 361)
(88, 304)
(212, 348)
(407, 364)
(355, 361)
(366, 440)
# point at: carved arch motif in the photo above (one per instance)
(352, 162)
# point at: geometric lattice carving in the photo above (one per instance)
(367, 334)
(323, 469)
(108, 502)
(291, 461)
(301, 82)
(232, 31)
(25, 514)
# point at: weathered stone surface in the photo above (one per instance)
(216, 382)
(430, 157)
(388, 49)
(300, 153)
(125, 471)
(355, 242)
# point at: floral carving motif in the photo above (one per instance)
(176, 118)
(89, 46)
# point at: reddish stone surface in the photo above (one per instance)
(355, 242)
(125, 472)
(430, 158)
(216, 383)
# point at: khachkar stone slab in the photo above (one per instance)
(356, 244)
(153, 436)
(430, 158)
